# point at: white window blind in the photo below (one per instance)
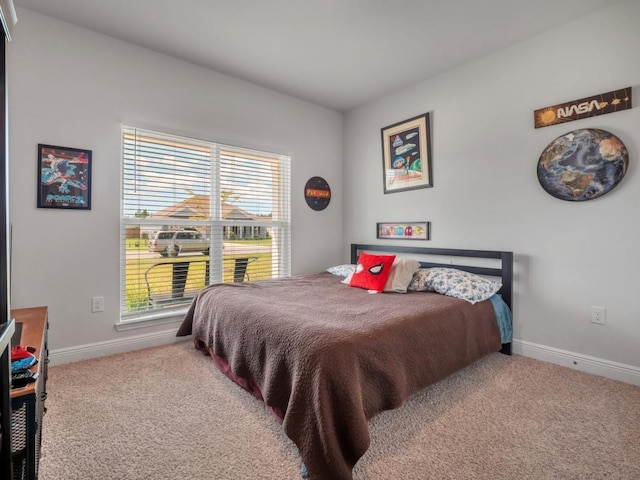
(196, 213)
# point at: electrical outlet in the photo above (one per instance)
(598, 315)
(97, 304)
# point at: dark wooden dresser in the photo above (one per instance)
(27, 403)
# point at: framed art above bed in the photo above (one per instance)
(404, 231)
(406, 155)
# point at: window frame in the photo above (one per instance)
(279, 221)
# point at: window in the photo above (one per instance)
(196, 213)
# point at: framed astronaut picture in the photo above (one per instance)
(64, 177)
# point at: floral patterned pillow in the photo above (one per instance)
(454, 283)
(342, 270)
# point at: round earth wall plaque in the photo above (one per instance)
(583, 164)
(317, 193)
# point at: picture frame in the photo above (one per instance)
(404, 230)
(406, 155)
(64, 177)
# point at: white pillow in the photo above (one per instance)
(401, 274)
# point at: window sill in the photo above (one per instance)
(151, 319)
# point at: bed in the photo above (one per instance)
(325, 357)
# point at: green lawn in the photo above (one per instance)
(137, 244)
(159, 279)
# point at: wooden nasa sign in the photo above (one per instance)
(609, 102)
(317, 193)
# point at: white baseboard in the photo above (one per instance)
(577, 361)
(110, 347)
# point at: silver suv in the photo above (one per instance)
(170, 243)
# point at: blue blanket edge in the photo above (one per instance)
(503, 317)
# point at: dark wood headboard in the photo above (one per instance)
(462, 262)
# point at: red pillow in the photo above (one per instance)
(372, 271)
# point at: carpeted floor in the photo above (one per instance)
(166, 413)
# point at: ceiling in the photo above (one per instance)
(335, 53)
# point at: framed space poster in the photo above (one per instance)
(406, 155)
(64, 177)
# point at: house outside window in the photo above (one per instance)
(196, 213)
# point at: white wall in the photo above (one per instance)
(569, 255)
(74, 88)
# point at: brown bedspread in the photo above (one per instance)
(331, 357)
